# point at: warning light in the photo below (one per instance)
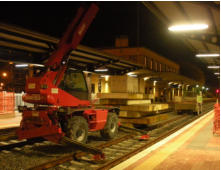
(217, 91)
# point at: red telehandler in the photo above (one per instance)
(60, 95)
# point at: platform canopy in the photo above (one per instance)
(166, 76)
(205, 41)
(24, 46)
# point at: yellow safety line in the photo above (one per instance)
(163, 153)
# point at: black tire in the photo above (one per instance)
(77, 129)
(111, 127)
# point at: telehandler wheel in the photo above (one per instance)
(111, 128)
(77, 129)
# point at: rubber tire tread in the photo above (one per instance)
(106, 133)
(73, 124)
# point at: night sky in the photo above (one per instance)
(113, 19)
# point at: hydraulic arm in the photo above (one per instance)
(44, 89)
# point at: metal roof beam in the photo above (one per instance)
(156, 11)
(209, 38)
(213, 21)
(207, 4)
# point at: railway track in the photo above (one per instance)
(118, 149)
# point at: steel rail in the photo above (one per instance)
(78, 155)
(115, 162)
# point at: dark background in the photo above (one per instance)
(113, 19)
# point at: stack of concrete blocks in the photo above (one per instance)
(127, 93)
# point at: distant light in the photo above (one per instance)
(146, 78)
(87, 72)
(216, 73)
(21, 65)
(207, 88)
(203, 87)
(197, 86)
(188, 27)
(2, 84)
(170, 83)
(207, 55)
(38, 65)
(4, 74)
(101, 70)
(215, 67)
(10, 62)
(217, 90)
(132, 75)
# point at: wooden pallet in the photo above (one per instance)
(145, 108)
(149, 120)
(123, 102)
(120, 96)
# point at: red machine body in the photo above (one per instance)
(53, 105)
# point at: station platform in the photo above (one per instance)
(193, 147)
(10, 122)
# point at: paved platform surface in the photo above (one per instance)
(13, 121)
(192, 148)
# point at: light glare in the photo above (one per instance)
(146, 78)
(207, 55)
(101, 70)
(21, 65)
(4, 74)
(188, 27)
(213, 67)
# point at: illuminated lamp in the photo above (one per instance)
(213, 67)
(4, 74)
(21, 65)
(188, 27)
(207, 55)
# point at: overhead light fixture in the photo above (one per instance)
(101, 70)
(170, 83)
(216, 73)
(197, 86)
(213, 67)
(21, 65)
(207, 55)
(188, 27)
(87, 72)
(37, 65)
(132, 75)
(203, 87)
(146, 78)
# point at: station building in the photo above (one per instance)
(158, 78)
